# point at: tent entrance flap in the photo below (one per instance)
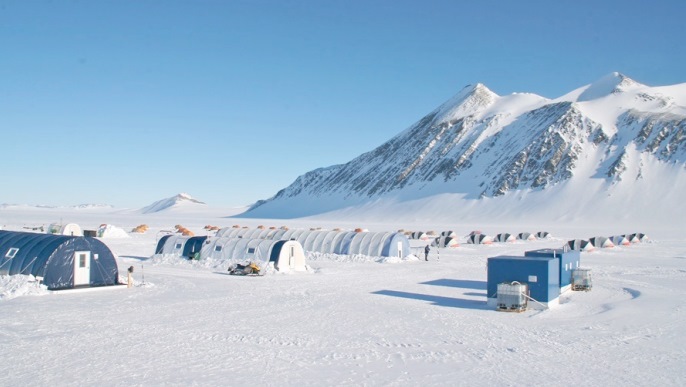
(82, 268)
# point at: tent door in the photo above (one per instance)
(82, 268)
(400, 250)
(291, 257)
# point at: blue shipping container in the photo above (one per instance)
(541, 274)
(569, 260)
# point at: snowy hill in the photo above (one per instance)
(75, 207)
(180, 201)
(610, 145)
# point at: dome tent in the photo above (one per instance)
(620, 240)
(64, 262)
(285, 255)
(526, 236)
(421, 235)
(479, 239)
(601, 242)
(637, 237)
(445, 241)
(580, 245)
(505, 237)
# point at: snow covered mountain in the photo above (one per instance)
(612, 136)
(182, 200)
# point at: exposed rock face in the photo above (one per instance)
(484, 145)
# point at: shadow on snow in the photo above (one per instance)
(436, 300)
(456, 283)
(446, 301)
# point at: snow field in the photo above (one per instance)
(354, 322)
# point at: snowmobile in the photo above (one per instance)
(250, 269)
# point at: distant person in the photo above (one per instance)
(426, 252)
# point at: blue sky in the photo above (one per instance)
(127, 102)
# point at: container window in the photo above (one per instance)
(12, 252)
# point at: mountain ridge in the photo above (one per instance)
(480, 145)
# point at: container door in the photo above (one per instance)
(82, 268)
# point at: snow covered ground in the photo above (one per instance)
(348, 321)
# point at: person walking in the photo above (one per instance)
(426, 252)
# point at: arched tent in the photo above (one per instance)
(445, 241)
(72, 229)
(285, 255)
(504, 237)
(451, 234)
(601, 242)
(193, 246)
(375, 244)
(542, 234)
(254, 233)
(526, 236)
(63, 261)
(479, 239)
(172, 244)
(620, 240)
(161, 242)
(580, 245)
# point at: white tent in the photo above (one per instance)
(601, 242)
(284, 255)
(420, 235)
(172, 244)
(250, 233)
(479, 239)
(451, 234)
(445, 241)
(526, 236)
(110, 231)
(505, 237)
(72, 229)
(637, 237)
(542, 235)
(374, 244)
(580, 245)
(620, 240)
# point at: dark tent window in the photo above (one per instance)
(217, 248)
(251, 250)
(12, 252)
